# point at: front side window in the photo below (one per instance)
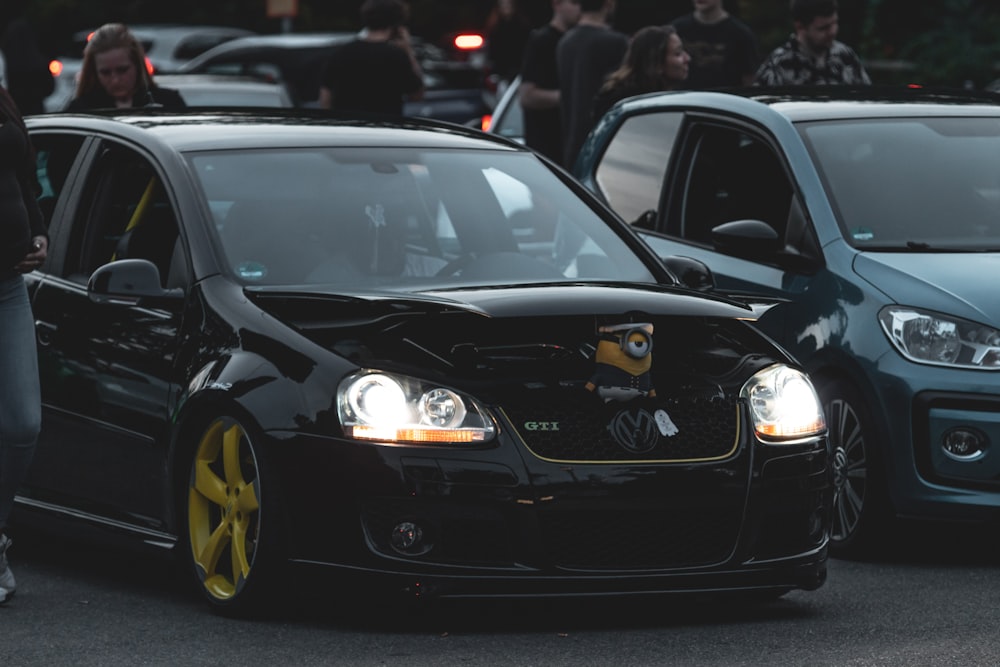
(733, 176)
(630, 173)
(404, 219)
(125, 214)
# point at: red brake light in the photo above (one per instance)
(149, 67)
(485, 122)
(468, 41)
(55, 67)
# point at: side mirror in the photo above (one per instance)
(127, 282)
(746, 238)
(690, 273)
(646, 220)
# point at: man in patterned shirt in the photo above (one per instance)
(812, 55)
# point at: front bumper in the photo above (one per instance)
(498, 522)
(807, 571)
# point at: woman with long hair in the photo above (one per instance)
(114, 74)
(24, 244)
(655, 61)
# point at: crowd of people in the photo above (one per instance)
(577, 66)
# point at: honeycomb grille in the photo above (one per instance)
(707, 428)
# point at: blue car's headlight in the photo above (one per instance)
(783, 404)
(374, 405)
(932, 338)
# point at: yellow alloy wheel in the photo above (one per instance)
(224, 509)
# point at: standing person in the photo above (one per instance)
(723, 49)
(655, 60)
(538, 93)
(585, 56)
(23, 247)
(507, 35)
(114, 74)
(375, 72)
(28, 79)
(812, 55)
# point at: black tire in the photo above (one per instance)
(232, 535)
(860, 499)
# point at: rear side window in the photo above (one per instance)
(630, 173)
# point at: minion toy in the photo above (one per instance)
(624, 359)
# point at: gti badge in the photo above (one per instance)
(541, 426)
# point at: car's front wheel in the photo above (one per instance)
(859, 498)
(232, 542)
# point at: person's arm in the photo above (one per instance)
(531, 96)
(401, 38)
(325, 98)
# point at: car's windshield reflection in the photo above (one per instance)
(442, 217)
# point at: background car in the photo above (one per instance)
(453, 88)
(507, 117)
(403, 353)
(873, 217)
(209, 90)
(167, 47)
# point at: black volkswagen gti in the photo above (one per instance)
(401, 353)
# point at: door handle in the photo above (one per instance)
(44, 332)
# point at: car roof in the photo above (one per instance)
(805, 103)
(207, 130)
(293, 40)
(206, 80)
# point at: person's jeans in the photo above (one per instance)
(20, 394)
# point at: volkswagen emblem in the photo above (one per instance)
(635, 430)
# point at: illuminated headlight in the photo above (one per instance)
(394, 408)
(930, 338)
(783, 404)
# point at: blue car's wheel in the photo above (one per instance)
(859, 505)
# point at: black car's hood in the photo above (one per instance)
(315, 305)
(542, 335)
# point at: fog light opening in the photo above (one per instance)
(964, 443)
(409, 539)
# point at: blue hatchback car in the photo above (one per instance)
(872, 218)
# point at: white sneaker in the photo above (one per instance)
(7, 584)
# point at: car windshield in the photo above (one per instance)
(404, 219)
(912, 184)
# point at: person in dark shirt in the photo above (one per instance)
(723, 49)
(585, 56)
(538, 93)
(506, 37)
(655, 60)
(23, 247)
(114, 74)
(377, 71)
(29, 81)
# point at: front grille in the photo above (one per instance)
(636, 539)
(583, 429)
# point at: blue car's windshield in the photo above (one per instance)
(912, 184)
(404, 218)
